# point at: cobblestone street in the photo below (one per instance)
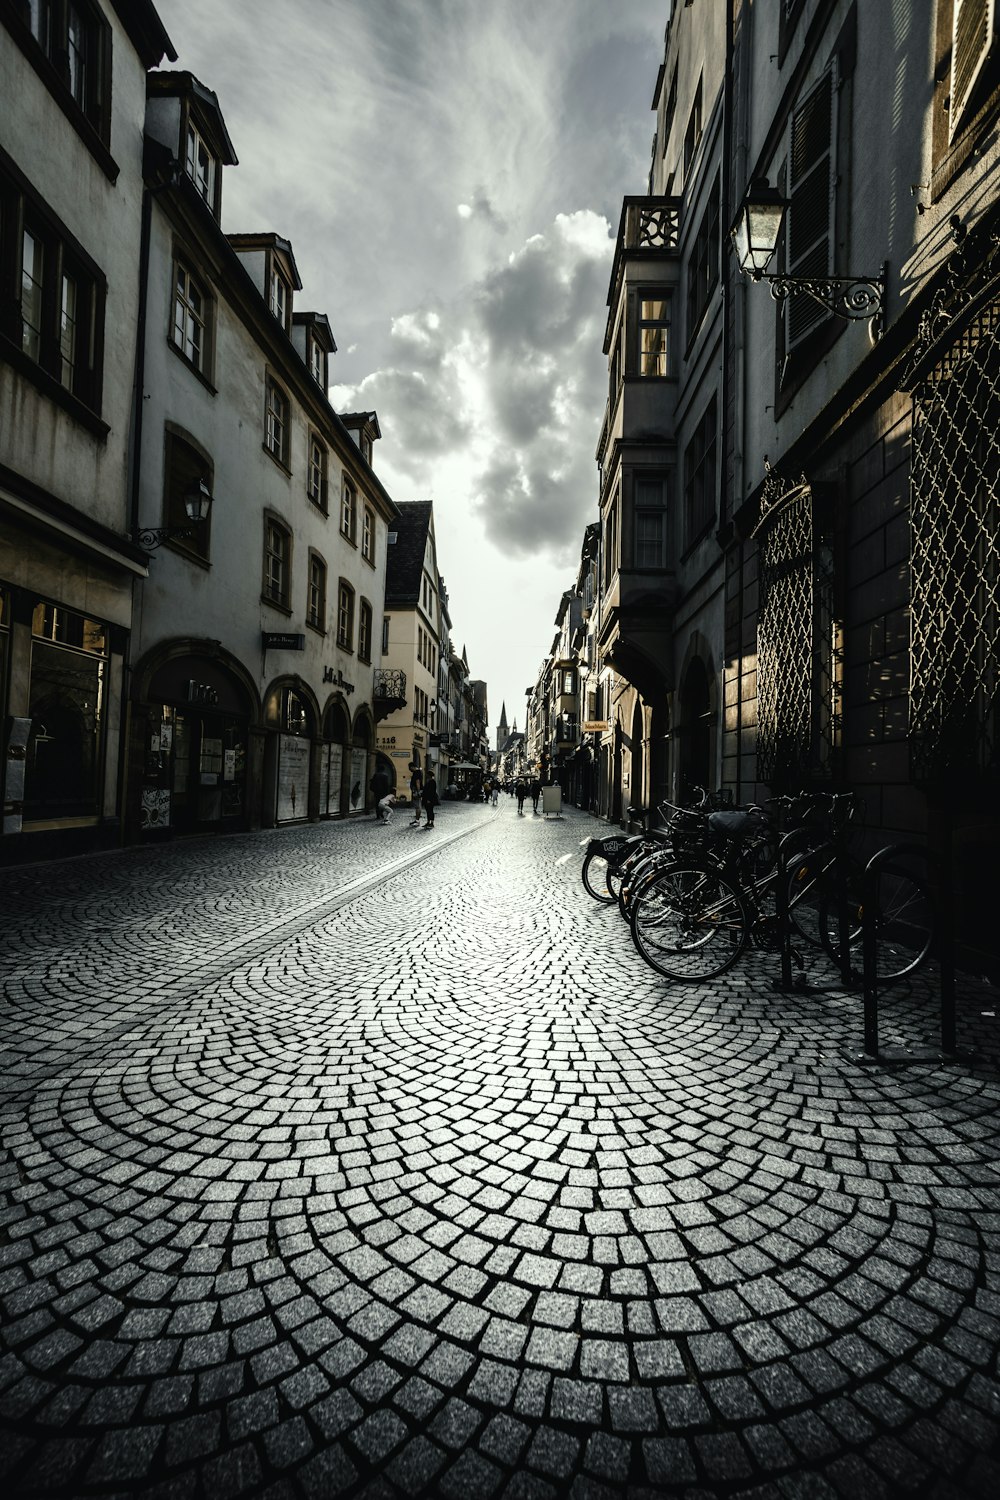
(350, 1160)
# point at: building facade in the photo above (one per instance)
(71, 174)
(252, 683)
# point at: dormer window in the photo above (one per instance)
(366, 447)
(317, 362)
(199, 164)
(280, 297)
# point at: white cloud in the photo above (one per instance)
(507, 382)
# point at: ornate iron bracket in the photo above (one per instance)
(857, 298)
(154, 536)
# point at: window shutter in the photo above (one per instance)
(973, 35)
(811, 183)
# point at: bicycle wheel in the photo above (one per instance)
(689, 923)
(905, 922)
(601, 878)
(810, 891)
(635, 873)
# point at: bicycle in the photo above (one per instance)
(693, 919)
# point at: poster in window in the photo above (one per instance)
(335, 775)
(293, 778)
(154, 809)
(359, 764)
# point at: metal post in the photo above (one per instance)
(783, 917)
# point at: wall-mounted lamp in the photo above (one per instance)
(755, 238)
(197, 504)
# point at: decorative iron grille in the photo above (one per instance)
(955, 549)
(798, 666)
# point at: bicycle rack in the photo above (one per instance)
(945, 956)
(800, 984)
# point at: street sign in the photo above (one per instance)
(595, 726)
(277, 640)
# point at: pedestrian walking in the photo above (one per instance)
(416, 791)
(380, 786)
(385, 808)
(430, 798)
(520, 791)
(495, 797)
(536, 792)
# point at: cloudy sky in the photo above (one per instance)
(450, 174)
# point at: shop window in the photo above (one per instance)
(66, 705)
(184, 466)
(345, 616)
(365, 631)
(277, 563)
(316, 602)
(700, 483)
(316, 484)
(191, 325)
(276, 421)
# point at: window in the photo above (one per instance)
(66, 705)
(280, 297)
(699, 477)
(385, 634)
(692, 136)
(185, 465)
(51, 296)
(365, 631)
(317, 361)
(671, 109)
(276, 422)
(190, 328)
(75, 43)
(568, 681)
(316, 600)
(345, 616)
(368, 535)
(703, 266)
(654, 326)
(615, 368)
(348, 510)
(277, 562)
(316, 483)
(650, 522)
(809, 238)
(199, 164)
(610, 551)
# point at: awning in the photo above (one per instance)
(463, 765)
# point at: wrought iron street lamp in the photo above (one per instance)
(755, 237)
(197, 505)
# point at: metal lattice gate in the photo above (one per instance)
(797, 674)
(955, 550)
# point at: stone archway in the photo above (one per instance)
(334, 763)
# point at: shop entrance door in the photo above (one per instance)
(195, 774)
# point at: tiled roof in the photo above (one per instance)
(405, 556)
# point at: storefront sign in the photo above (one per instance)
(272, 640)
(338, 679)
(595, 726)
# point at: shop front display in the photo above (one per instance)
(63, 765)
(334, 763)
(292, 715)
(194, 750)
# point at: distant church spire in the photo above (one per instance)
(502, 726)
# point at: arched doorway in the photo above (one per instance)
(334, 761)
(363, 738)
(290, 710)
(696, 729)
(637, 782)
(190, 744)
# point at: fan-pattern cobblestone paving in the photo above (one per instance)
(350, 1160)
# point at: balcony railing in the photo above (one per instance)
(389, 691)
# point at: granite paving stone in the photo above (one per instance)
(431, 1188)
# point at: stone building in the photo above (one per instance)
(73, 85)
(255, 645)
(407, 697)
